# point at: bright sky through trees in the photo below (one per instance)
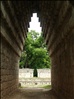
(35, 24)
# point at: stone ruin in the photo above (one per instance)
(44, 73)
(26, 73)
(26, 77)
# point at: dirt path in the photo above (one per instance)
(33, 93)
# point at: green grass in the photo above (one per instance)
(47, 86)
(38, 86)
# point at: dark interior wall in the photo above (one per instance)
(9, 69)
(11, 48)
(63, 59)
(57, 21)
(63, 69)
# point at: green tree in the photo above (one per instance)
(34, 53)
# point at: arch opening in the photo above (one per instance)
(57, 20)
(35, 63)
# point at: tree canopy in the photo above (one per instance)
(34, 53)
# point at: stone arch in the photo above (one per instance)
(57, 21)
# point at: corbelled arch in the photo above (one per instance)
(57, 21)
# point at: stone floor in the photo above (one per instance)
(33, 93)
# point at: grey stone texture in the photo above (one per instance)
(57, 21)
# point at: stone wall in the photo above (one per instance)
(34, 82)
(63, 69)
(26, 73)
(11, 47)
(58, 18)
(62, 55)
(57, 21)
(44, 73)
(9, 69)
(59, 36)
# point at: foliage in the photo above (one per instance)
(34, 53)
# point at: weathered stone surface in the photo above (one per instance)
(57, 21)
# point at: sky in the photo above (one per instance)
(34, 24)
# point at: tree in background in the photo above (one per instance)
(34, 53)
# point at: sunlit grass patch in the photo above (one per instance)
(46, 86)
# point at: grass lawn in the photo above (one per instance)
(46, 86)
(43, 86)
